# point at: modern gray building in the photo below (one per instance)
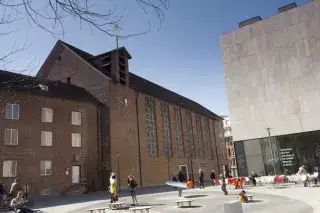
(272, 75)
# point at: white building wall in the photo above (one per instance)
(272, 74)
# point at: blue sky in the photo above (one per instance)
(183, 56)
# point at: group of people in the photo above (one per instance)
(16, 197)
(113, 188)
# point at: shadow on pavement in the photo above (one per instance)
(195, 196)
(189, 207)
(255, 201)
(51, 201)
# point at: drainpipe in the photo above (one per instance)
(138, 135)
(99, 146)
(215, 144)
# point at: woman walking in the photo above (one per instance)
(132, 183)
(113, 188)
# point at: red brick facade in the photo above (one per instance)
(29, 151)
(128, 137)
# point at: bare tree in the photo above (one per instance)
(85, 11)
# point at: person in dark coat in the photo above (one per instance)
(253, 178)
(181, 177)
(201, 179)
(212, 178)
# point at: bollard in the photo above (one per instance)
(233, 207)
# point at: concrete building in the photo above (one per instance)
(229, 146)
(151, 132)
(272, 75)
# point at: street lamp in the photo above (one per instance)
(118, 161)
(274, 165)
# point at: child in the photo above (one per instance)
(242, 197)
(190, 183)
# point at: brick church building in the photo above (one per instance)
(143, 129)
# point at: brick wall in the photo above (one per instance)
(29, 151)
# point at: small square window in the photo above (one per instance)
(9, 168)
(46, 167)
(11, 137)
(76, 118)
(12, 111)
(47, 115)
(76, 139)
(46, 138)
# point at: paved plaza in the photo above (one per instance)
(211, 199)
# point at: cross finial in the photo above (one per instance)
(116, 29)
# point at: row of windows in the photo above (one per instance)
(13, 112)
(9, 168)
(200, 147)
(11, 137)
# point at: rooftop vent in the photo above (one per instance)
(287, 7)
(250, 21)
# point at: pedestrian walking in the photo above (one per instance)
(213, 178)
(201, 179)
(181, 177)
(15, 188)
(132, 184)
(2, 194)
(113, 188)
(223, 184)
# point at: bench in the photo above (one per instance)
(250, 197)
(141, 209)
(117, 205)
(181, 202)
(100, 210)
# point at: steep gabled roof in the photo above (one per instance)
(147, 87)
(16, 82)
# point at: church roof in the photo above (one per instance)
(147, 87)
(16, 82)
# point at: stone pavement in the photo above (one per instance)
(212, 199)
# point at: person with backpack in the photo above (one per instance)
(132, 184)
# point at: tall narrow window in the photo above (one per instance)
(76, 118)
(166, 129)
(191, 148)
(46, 138)
(208, 141)
(45, 167)
(178, 130)
(151, 126)
(200, 147)
(76, 139)
(11, 137)
(9, 168)
(47, 115)
(12, 111)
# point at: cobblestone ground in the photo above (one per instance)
(211, 200)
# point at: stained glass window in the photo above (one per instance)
(178, 130)
(167, 150)
(208, 141)
(199, 143)
(191, 148)
(151, 126)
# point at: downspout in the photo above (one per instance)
(99, 147)
(138, 135)
(215, 144)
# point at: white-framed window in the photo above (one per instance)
(76, 118)
(76, 139)
(12, 111)
(46, 167)
(11, 137)
(47, 115)
(46, 138)
(9, 168)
